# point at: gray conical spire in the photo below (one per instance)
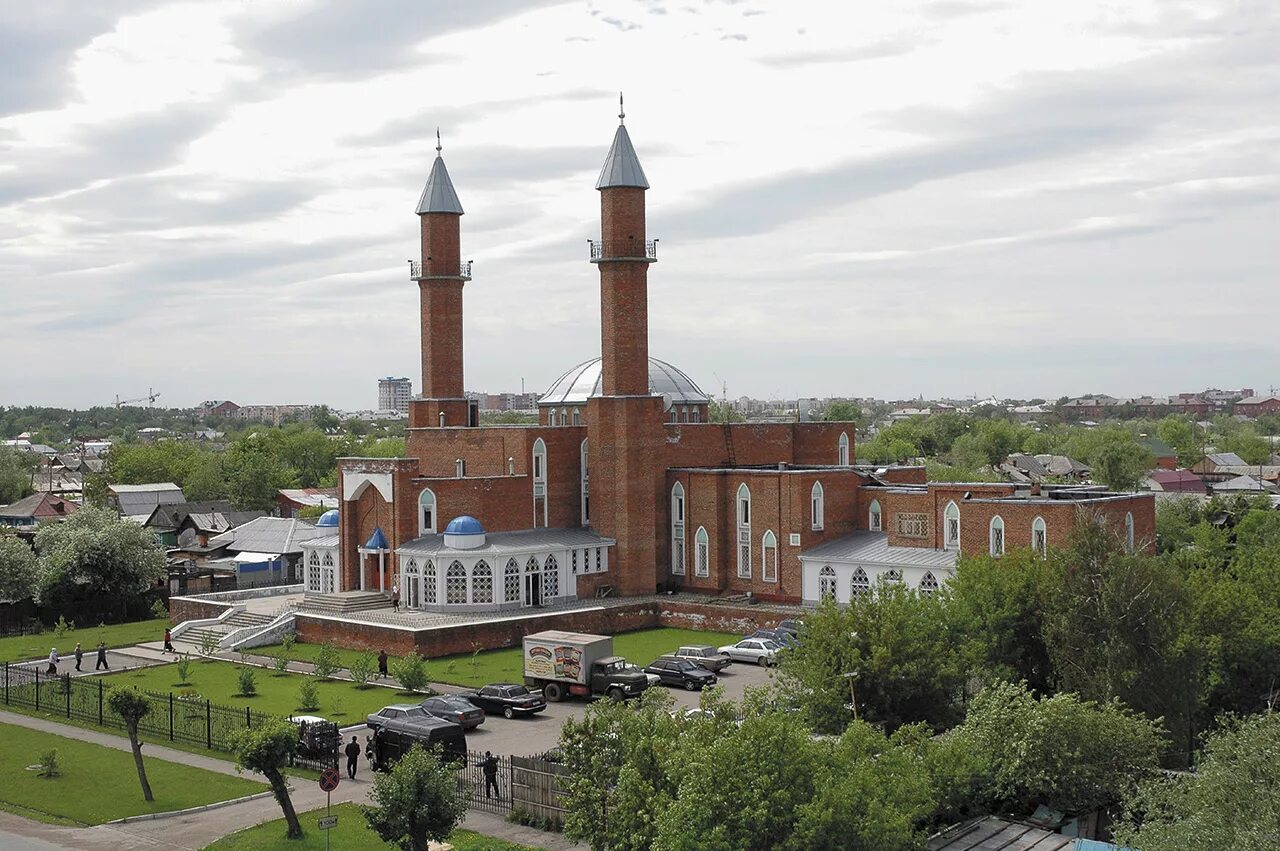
(621, 166)
(438, 196)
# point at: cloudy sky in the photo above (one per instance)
(954, 197)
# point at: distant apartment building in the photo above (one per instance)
(217, 408)
(1255, 406)
(274, 414)
(499, 402)
(394, 394)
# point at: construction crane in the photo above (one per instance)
(150, 398)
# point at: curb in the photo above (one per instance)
(214, 806)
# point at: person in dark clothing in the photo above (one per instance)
(353, 755)
(168, 641)
(79, 655)
(490, 767)
(102, 657)
(382, 664)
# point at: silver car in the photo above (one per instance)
(760, 651)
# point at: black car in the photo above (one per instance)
(508, 698)
(681, 672)
(778, 636)
(792, 626)
(396, 712)
(394, 739)
(455, 708)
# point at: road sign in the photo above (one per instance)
(329, 779)
(327, 823)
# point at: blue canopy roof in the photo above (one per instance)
(464, 525)
(328, 519)
(377, 541)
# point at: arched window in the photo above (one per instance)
(430, 585)
(951, 526)
(873, 516)
(577, 416)
(539, 484)
(744, 531)
(511, 582)
(426, 512)
(893, 575)
(842, 455)
(551, 417)
(677, 529)
(313, 571)
(551, 578)
(816, 506)
(586, 482)
(702, 552)
(769, 556)
(997, 536)
(1128, 532)
(859, 584)
(455, 584)
(1039, 536)
(481, 583)
(928, 584)
(827, 583)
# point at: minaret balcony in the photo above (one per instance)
(650, 254)
(416, 273)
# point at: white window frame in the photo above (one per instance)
(817, 506)
(1039, 536)
(511, 590)
(769, 556)
(423, 527)
(430, 584)
(951, 526)
(677, 530)
(995, 536)
(586, 483)
(743, 505)
(482, 582)
(1128, 532)
(842, 450)
(928, 584)
(539, 483)
(859, 584)
(702, 552)
(827, 583)
(451, 586)
(875, 516)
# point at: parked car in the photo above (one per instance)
(455, 708)
(704, 655)
(395, 737)
(508, 698)
(681, 672)
(791, 625)
(630, 668)
(396, 712)
(761, 651)
(778, 636)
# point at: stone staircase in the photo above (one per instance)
(345, 602)
(196, 634)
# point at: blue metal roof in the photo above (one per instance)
(377, 541)
(328, 519)
(464, 525)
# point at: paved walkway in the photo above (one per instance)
(119, 659)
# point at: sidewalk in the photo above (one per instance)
(119, 659)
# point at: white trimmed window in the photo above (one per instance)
(769, 556)
(702, 552)
(539, 484)
(551, 418)
(577, 416)
(912, 524)
(744, 531)
(827, 583)
(426, 513)
(429, 583)
(455, 584)
(586, 483)
(511, 582)
(677, 529)
(928, 584)
(951, 526)
(842, 454)
(859, 584)
(551, 578)
(893, 575)
(482, 583)
(997, 536)
(1039, 536)
(873, 516)
(816, 507)
(1128, 531)
(313, 571)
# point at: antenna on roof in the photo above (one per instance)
(622, 113)
(438, 146)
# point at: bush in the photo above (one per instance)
(326, 661)
(184, 669)
(159, 609)
(248, 682)
(49, 764)
(281, 663)
(209, 644)
(411, 671)
(362, 668)
(308, 695)
(62, 627)
(287, 642)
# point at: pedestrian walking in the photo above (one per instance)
(79, 655)
(353, 755)
(102, 657)
(53, 662)
(490, 767)
(168, 641)
(395, 597)
(382, 664)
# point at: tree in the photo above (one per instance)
(416, 801)
(94, 554)
(1231, 801)
(16, 469)
(411, 671)
(1121, 466)
(267, 749)
(363, 668)
(843, 412)
(132, 706)
(723, 412)
(17, 569)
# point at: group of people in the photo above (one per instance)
(52, 670)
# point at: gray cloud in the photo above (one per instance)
(856, 53)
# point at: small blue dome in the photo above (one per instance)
(377, 541)
(464, 525)
(329, 519)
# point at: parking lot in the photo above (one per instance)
(540, 732)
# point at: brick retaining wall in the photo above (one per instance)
(187, 609)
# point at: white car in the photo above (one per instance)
(761, 651)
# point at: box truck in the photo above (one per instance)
(562, 663)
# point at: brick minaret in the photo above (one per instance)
(440, 276)
(625, 422)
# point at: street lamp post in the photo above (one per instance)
(853, 700)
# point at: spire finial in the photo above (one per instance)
(622, 113)
(438, 146)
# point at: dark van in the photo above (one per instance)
(396, 738)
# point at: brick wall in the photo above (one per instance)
(185, 609)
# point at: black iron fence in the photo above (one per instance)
(186, 718)
(476, 791)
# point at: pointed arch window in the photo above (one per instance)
(842, 453)
(893, 575)
(817, 508)
(586, 482)
(997, 536)
(482, 583)
(744, 531)
(551, 578)
(677, 529)
(455, 584)
(1039, 536)
(539, 484)
(551, 417)
(827, 583)
(702, 552)
(859, 584)
(426, 512)
(873, 516)
(951, 526)
(511, 582)
(429, 583)
(769, 556)
(1128, 532)
(928, 584)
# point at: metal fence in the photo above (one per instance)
(473, 789)
(189, 719)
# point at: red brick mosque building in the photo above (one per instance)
(625, 488)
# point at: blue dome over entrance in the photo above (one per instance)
(329, 519)
(464, 525)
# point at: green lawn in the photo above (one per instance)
(492, 666)
(351, 834)
(20, 648)
(99, 784)
(218, 681)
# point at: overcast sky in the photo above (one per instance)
(1024, 199)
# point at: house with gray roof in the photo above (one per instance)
(138, 501)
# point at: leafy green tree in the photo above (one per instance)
(1251, 448)
(17, 569)
(723, 412)
(16, 469)
(267, 749)
(325, 664)
(415, 802)
(132, 706)
(411, 671)
(324, 419)
(94, 554)
(254, 474)
(1180, 433)
(842, 412)
(1232, 800)
(1121, 465)
(363, 668)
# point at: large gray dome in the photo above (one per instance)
(583, 381)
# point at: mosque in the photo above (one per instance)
(624, 488)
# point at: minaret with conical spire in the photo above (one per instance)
(440, 275)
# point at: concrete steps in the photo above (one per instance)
(344, 603)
